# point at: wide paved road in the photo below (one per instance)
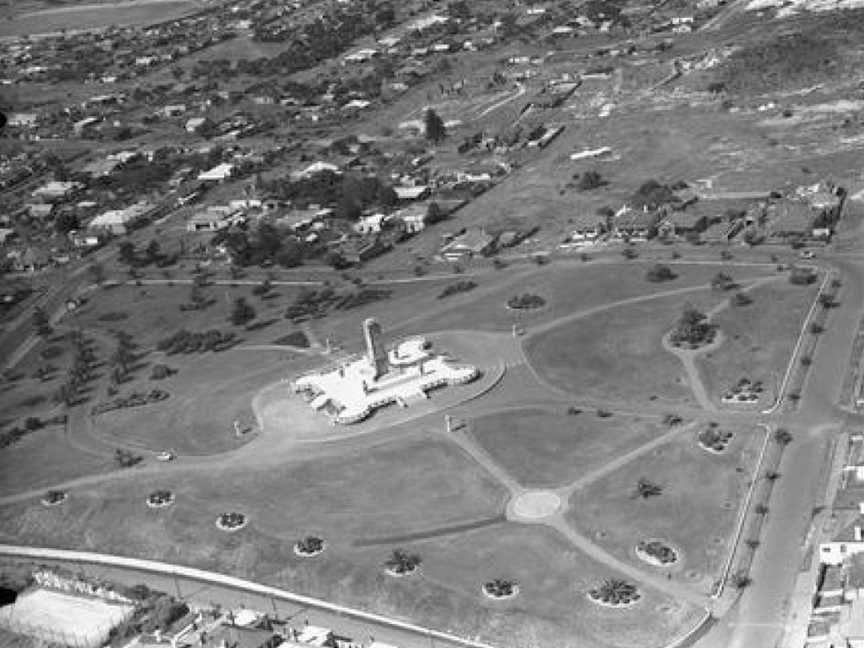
(760, 616)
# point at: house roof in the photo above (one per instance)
(239, 637)
(636, 219)
(410, 193)
(833, 579)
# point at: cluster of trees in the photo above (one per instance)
(80, 373)
(12, 435)
(347, 193)
(121, 360)
(155, 611)
(526, 301)
(128, 254)
(458, 287)
(264, 244)
(692, 329)
(127, 458)
(184, 341)
(651, 195)
(135, 399)
(316, 304)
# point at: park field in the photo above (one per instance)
(364, 504)
(545, 447)
(696, 511)
(758, 338)
(617, 356)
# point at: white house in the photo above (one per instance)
(119, 221)
(218, 173)
(371, 224)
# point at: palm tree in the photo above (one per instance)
(401, 562)
(615, 591)
(646, 489)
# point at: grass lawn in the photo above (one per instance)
(759, 338)
(696, 511)
(207, 394)
(151, 313)
(45, 457)
(567, 286)
(407, 485)
(617, 355)
(547, 447)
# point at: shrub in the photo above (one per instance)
(296, 339)
(526, 301)
(660, 272)
(455, 289)
(161, 371)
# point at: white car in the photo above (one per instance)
(807, 254)
(165, 456)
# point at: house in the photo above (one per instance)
(586, 228)
(23, 120)
(316, 636)
(791, 220)
(314, 168)
(81, 127)
(360, 56)
(211, 219)
(419, 192)
(848, 542)
(371, 224)
(40, 210)
(413, 219)
(32, 259)
(120, 221)
(358, 250)
(240, 637)
(56, 190)
(196, 124)
(101, 168)
(472, 243)
(681, 223)
(218, 173)
(173, 110)
(633, 224)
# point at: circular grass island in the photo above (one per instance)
(401, 564)
(309, 547)
(232, 521)
(160, 499)
(713, 439)
(500, 589)
(657, 553)
(615, 593)
(54, 498)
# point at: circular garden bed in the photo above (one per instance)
(309, 547)
(526, 301)
(615, 592)
(500, 589)
(232, 521)
(401, 564)
(54, 498)
(160, 499)
(715, 440)
(656, 552)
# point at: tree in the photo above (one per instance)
(660, 272)
(66, 222)
(590, 180)
(41, 322)
(126, 252)
(646, 489)
(153, 251)
(290, 255)
(242, 312)
(97, 272)
(782, 436)
(435, 129)
(722, 281)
